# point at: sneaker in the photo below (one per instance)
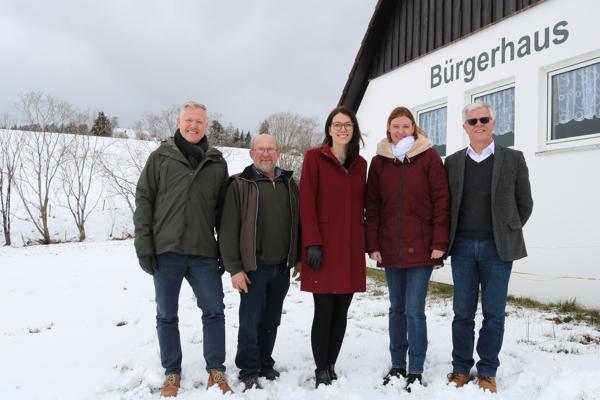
(413, 379)
(322, 377)
(459, 380)
(216, 377)
(394, 373)
(270, 374)
(171, 385)
(251, 383)
(332, 373)
(487, 383)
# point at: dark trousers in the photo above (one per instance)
(203, 275)
(259, 317)
(329, 327)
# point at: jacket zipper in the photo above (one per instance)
(400, 192)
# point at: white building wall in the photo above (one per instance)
(563, 234)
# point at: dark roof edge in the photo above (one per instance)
(360, 61)
(355, 89)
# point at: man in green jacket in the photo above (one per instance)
(178, 204)
(259, 243)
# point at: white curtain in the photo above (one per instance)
(503, 103)
(434, 124)
(576, 95)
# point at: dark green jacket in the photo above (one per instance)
(246, 237)
(178, 207)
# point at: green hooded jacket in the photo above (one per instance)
(178, 207)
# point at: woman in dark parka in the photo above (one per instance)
(332, 193)
(407, 210)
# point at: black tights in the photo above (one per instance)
(329, 327)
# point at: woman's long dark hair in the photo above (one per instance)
(355, 142)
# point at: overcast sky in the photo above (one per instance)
(243, 59)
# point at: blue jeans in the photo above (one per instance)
(202, 273)
(259, 317)
(407, 323)
(474, 263)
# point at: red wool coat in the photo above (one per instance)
(407, 206)
(332, 215)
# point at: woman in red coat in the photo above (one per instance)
(407, 233)
(332, 192)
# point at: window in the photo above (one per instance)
(502, 101)
(433, 122)
(574, 101)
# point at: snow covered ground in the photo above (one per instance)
(79, 324)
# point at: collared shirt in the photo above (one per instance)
(485, 153)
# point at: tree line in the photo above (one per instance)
(42, 112)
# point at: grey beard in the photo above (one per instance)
(270, 171)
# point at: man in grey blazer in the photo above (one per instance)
(490, 203)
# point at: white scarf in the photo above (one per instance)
(402, 147)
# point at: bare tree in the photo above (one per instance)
(10, 153)
(43, 153)
(6, 121)
(122, 174)
(160, 125)
(295, 134)
(82, 162)
(45, 111)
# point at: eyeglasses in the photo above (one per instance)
(473, 121)
(348, 126)
(262, 150)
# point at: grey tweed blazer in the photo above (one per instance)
(511, 199)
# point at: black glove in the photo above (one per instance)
(148, 263)
(315, 257)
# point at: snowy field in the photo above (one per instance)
(79, 324)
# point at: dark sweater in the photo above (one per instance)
(475, 215)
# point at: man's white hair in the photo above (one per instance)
(475, 106)
(191, 104)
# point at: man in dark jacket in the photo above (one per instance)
(490, 203)
(178, 201)
(259, 244)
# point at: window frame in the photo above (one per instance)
(574, 141)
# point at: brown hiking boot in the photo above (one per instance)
(459, 380)
(218, 377)
(171, 385)
(487, 383)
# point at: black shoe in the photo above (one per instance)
(251, 383)
(332, 373)
(322, 377)
(413, 379)
(270, 374)
(394, 373)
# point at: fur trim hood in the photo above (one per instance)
(384, 147)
